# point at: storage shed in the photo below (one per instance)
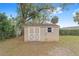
(41, 32)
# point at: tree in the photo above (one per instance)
(6, 28)
(30, 12)
(76, 17)
(54, 20)
(2, 17)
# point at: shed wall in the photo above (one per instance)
(44, 34)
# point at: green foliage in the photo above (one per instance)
(76, 17)
(69, 32)
(6, 28)
(32, 11)
(54, 19)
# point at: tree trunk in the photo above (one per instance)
(23, 11)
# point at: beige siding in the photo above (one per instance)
(53, 36)
(25, 33)
(44, 34)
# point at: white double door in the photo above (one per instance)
(34, 33)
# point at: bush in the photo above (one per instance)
(6, 28)
(69, 32)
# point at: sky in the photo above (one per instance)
(9, 8)
(65, 17)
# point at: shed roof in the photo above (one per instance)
(42, 25)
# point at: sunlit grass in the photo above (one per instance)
(71, 42)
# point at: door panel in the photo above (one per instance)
(31, 36)
(30, 33)
(37, 33)
(33, 33)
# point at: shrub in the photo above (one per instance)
(69, 32)
(6, 28)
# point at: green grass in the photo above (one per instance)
(17, 46)
(71, 42)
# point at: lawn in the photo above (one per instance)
(67, 45)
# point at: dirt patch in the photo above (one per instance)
(60, 51)
(17, 47)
